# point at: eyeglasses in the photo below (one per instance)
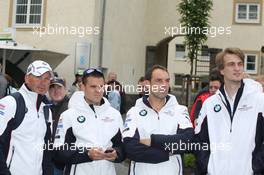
(92, 70)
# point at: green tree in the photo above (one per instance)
(195, 16)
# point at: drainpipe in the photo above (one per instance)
(102, 33)
(262, 60)
(4, 62)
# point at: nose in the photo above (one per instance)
(164, 84)
(99, 89)
(237, 67)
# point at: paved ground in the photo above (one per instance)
(121, 168)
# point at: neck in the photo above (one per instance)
(90, 102)
(232, 88)
(156, 103)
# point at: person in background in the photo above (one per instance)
(11, 85)
(142, 87)
(111, 76)
(77, 84)
(3, 83)
(59, 99)
(260, 79)
(112, 79)
(113, 95)
(214, 84)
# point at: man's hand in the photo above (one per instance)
(96, 154)
(110, 154)
(145, 142)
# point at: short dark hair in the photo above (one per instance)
(141, 79)
(91, 72)
(215, 75)
(149, 73)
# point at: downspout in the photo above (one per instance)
(4, 61)
(102, 34)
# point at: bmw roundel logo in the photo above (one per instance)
(217, 108)
(81, 119)
(143, 112)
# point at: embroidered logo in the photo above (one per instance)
(244, 108)
(143, 112)
(107, 119)
(217, 108)
(170, 113)
(81, 119)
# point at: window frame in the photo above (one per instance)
(180, 58)
(201, 56)
(247, 20)
(246, 62)
(27, 24)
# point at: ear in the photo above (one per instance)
(222, 72)
(26, 79)
(147, 82)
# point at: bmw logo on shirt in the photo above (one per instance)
(217, 108)
(81, 119)
(143, 112)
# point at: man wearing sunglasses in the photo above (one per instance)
(88, 137)
(25, 124)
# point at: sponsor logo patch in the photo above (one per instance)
(108, 119)
(81, 119)
(143, 112)
(217, 108)
(2, 107)
(170, 113)
(244, 108)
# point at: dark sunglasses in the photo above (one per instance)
(92, 70)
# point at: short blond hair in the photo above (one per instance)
(219, 60)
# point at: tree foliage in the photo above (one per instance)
(195, 16)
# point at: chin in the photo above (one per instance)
(41, 93)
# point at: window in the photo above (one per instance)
(178, 79)
(28, 13)
(251, 63)
(204, 54)
(180, 51)
(248, 13)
